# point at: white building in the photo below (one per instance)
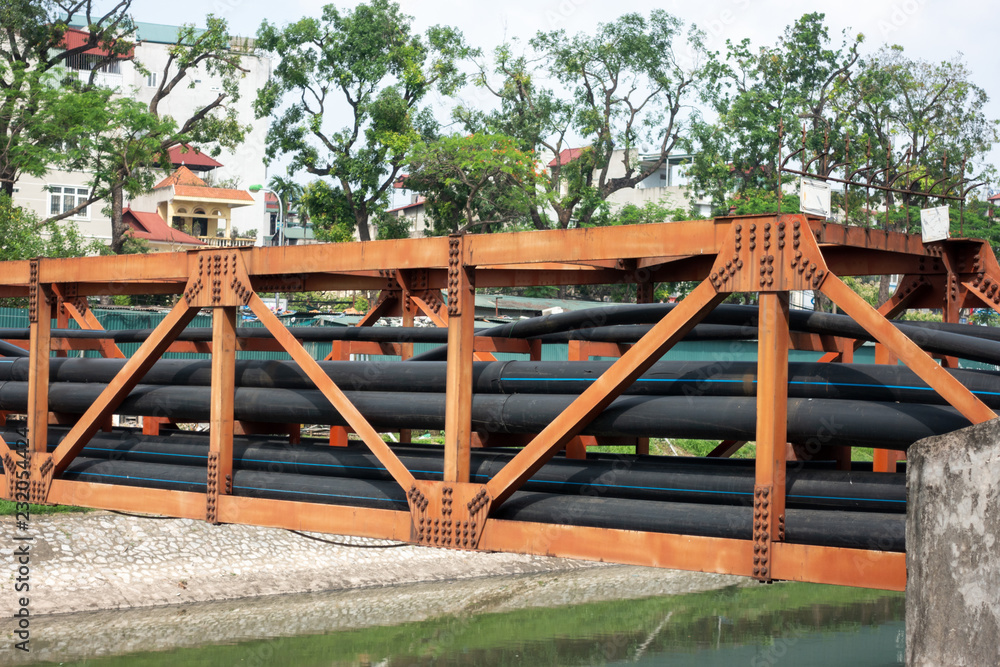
(59, 191)
(667, 185)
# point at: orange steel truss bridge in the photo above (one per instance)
(766, 254)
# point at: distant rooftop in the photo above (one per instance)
(192, 158)
(158, 33)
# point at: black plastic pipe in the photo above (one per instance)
(971, 344)
(822, 527)
(810, 421)
(11, 350)
(644, 478)
(865, 382)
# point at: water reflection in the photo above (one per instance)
(782, 624)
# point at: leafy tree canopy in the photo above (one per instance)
(624, 87)
(368, 61)
(478, 182)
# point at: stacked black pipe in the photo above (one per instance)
(829, 404)
(661, 494)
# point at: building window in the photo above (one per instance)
(87, 62)
(151, 80)
(64, 198)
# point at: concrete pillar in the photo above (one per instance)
(953, 548)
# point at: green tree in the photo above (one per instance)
(389, 226)
(754, 92)
(25, 236)
(288, 191)
(922, 119)
(138, 136)
(479, 182)
(626, 85)
(368, 62)
(329, 211)
(37, 111)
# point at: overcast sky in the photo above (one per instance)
(930, 29)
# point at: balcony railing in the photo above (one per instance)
(103, 79)
(226, 242)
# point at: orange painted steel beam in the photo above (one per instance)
(682, 552)
(862, 568)
(86, 319)
(725, 449)
(829, 565)
(429, 311)
(831, 345)
(906, 293)
(180, 504)
(139, 269)
(127, 378)
(62, 318)
(458, 379)
(164, 273)
(772, 439)
(40, 346)
(673, 327)
(332, 392)
(873, 239)
(535, 276)
(387, 301)
(885, 460)
(315, 517)
(409, 313)
(906, 350)
(583, 350)
(221, 424)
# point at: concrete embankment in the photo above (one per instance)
(105, 583)
(101, 560)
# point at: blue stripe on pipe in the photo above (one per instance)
(144, 479)
(330, 495)
(719, 381)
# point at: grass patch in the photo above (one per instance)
(8, 508)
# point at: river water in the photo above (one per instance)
(747, 624)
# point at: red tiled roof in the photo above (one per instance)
(192, 157)
(74, 37)
(566, 156)
(212, 193)
(995, 197)
(420, 202)
(151, 227)
(186, 184)
(183, 176)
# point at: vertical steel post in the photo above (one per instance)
(461, 340)
(884, 460)
(409, 312)
(952, 309)
(220, 454)
(62, 320)
(772, 438)
(339, 351)
(40, 349)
